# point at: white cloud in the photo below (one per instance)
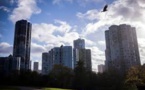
(89, 42)
(36, 48)
(64, 26)
(89, 15)
(141, 42)
(4, 8)
(97, 54)
(119, 12)
(102, 43)
(36, 51)
(24, 10)
(50, 33)
(68, 38)
(47, 33)
(98, 57)
(5, 48)
(93, 27)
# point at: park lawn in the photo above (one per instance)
(54, 89)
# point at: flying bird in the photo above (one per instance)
(105, 8)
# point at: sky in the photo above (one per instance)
(59, 22)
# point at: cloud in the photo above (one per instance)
(5, 48)
(93, 27)
(36, 48)
(119, 12)
(97, 54)
(89, 42)
(6, 9)
(50, 33)
(98, 57)
(89, 15)
(43, 33)
(68, 38)
(46, 33)
(27, 7)
(64, 26)
(46, 36)
(141, 42)
(131, 10)
(102, 43)
(36, 51)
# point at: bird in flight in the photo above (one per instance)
(105, 8)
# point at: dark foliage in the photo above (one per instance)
(79, 79)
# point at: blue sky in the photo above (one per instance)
(57, 22)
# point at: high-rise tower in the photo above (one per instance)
(36, 66)
(121, 48)
(22, 42)
(45, 63)
(80, 53)
(79, 44)
(57, 56)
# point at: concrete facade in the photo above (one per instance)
(85, 56)
(79, 43)
(57, 56)
(121, 47)
(101, 68)
(9, 64)
(45, 63)
(36, 66)
(67, 56)
(80, 53)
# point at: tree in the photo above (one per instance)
(133, 78)
(80, 80)
(61, 76)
